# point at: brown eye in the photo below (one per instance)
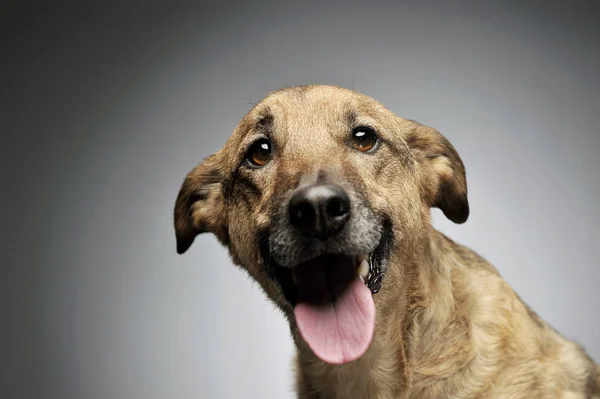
(259, 153)
(364, 138)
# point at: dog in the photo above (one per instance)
(324, 196)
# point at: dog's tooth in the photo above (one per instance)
(363, 269)
(359, 259)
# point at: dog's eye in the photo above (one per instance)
(259, 153)
(363, 138)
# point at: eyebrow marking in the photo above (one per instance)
(351, 117)
(265, 124)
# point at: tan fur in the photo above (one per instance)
(447, 324)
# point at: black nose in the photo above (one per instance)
(319, 211)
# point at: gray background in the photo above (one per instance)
(107, 106)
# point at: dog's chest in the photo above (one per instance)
(342, 382)
(365, 378)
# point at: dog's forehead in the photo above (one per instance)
(310, 104)
(308, 110)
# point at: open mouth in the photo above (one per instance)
(332, 298)
(328, 276)
(335, 311)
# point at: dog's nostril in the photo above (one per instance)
(319, 211)
(302, 212)
(337, 206)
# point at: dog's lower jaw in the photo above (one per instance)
(380, 372)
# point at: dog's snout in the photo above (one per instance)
(320, 210)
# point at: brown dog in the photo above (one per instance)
(323, 196)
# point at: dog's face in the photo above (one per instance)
(313, 193)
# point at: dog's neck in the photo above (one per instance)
(417, 294)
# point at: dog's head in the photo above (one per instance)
(313, 193)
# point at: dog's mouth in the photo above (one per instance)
(332, 298)
(335, 312)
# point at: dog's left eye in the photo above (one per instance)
(259, 153)
(363, 138)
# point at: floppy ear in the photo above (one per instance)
(443, 179)
(200, 206)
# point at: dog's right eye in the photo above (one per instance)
(259, 152)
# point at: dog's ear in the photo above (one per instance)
(443, 179)
(200, 206)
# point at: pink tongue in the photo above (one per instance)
(340, 330)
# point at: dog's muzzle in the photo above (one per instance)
(328, 225)
(328, 251)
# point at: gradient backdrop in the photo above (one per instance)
(107, 105)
